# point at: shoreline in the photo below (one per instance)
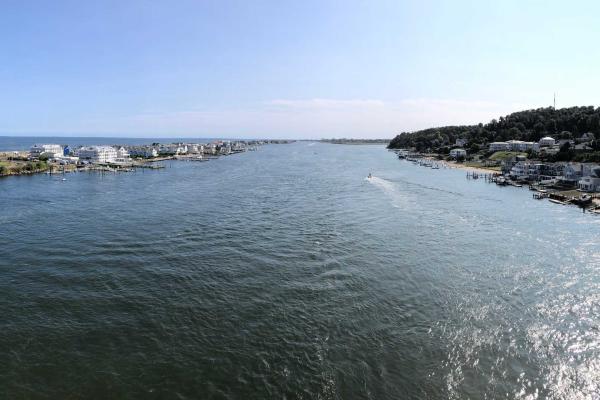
(455, 165)
(479, 170)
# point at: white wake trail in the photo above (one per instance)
(397, 197)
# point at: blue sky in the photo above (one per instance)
(287, 69)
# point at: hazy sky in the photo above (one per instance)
(301, 69)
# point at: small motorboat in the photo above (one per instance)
(583, 200)
(370, 176)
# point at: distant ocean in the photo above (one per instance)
(21, 143)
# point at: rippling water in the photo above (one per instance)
(285, 273)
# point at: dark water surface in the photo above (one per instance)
(284, 273)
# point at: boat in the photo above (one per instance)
(583, 200)
(501, 181)
(557, 201)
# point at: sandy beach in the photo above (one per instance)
(455, 165)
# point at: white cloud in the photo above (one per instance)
(308, 118)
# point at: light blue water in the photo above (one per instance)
(286, 273)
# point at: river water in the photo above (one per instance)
(285, 273)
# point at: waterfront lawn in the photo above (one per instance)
(503, 155)
(474, 164)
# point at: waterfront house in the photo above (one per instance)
(172, 149)
(590, 183)
(142, 151)
(122, 156)
(195, 148)
(98, 154)
(49, 150)
(525, 170)
(572, 171)
(458, 153)
(508, 163)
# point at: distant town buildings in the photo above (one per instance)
(49, 150)
(121, 156)
(546, 144)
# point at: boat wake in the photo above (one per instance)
(390, 189)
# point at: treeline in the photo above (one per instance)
(529, 125)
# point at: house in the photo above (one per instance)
(50, 150)
(195, 148)
(547, 142)
(173, 149)
(461, 142)
(142, 151)
(573, 171)
(98, 154)
(524, 170)
(499, 146)
(210, 148)
(122, 156)
(590, 183)
(508, 163)
(519, 145)
(458, 153)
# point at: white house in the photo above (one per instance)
(98, 154)
(458, 153)
(122, 156)
(195, 148)
(173, 149)
(499, 146)
(524, 170)
(51, 150)
(142, 151)
(461, 142)
(547, 142)
(590, 183)
(519, 145)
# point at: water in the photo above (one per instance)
(284, 273)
